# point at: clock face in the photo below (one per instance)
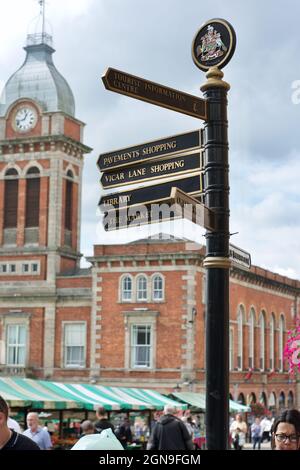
(25, 119)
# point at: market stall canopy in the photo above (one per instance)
(42, 394)
(198, 400)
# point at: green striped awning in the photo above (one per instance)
(42, 394)
(198, 400)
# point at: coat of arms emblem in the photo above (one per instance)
(211, 46)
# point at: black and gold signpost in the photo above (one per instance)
(212, 48)
(185, 166)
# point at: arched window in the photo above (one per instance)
(263, 399)
(290, 400)
(251, 337)
(240, 322)
(272, 333)
(142, 293)
(157, 287)
(241, 399)
(281, 400)
(126, 288)
(11, 193)
(262, 323)
(280, 341)
(32, 218)
(272, 401)
(251, 400)
(231, 349)
(69, 201)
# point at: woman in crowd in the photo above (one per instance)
(286, 431)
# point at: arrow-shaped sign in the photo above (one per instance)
(160, 95)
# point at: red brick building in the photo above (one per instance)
(137, 316)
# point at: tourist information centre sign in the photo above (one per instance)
(154, 93)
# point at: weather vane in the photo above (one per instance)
(42, 4)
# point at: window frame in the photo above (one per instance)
(133, 346)
(17, 345)
(144, 289)
(122, 289)
(65, 325)
(153, 277)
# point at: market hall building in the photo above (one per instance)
(137, 316)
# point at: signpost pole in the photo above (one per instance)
(217, 263)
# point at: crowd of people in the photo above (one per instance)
(168, 432)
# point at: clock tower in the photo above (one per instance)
(41, 163)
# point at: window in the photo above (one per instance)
(272, 332)
(3, 268)
(74, 344)
(126, 288)
(240, 337)
(142, 288)
(11, 192)
(251, 337)
(12, 268)
(25, 268)
(141, 346)
(231, 349)
(16, 345)
(262, 341)
(33, 198)
(34, 267)
(280, 341)
(158, 287)
(69, 202)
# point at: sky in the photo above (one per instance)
(152, 39)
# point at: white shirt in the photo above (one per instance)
(12, 424)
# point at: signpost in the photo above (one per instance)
(149, 151)
(154, 194)
(170, 166)
(239, 258)
(154, 93)
(212, 48)
(177, 205)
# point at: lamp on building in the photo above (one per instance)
(194, 313)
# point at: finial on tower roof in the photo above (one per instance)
(38, 35)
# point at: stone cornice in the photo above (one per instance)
(25, 144)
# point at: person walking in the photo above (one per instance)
(256, 433)
(35, 432)
(285, 432)
(170, 433)
(238, 430)
(10, 439)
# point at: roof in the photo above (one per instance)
(198, 400)
(42, 394)
(39, 80)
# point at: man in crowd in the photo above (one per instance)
(102, 422)
(10, 439)
(170, 433)
(35, 432)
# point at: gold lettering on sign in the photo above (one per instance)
(169, 166)
(160, 147)
(121, 157)
(114, 201)
(138, 172)
(110, 178)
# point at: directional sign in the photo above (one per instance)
(239, 257)
(150, 194)
(177, 205)
(194, 210)
(148, 151)
(176, 165)
(160, 95)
